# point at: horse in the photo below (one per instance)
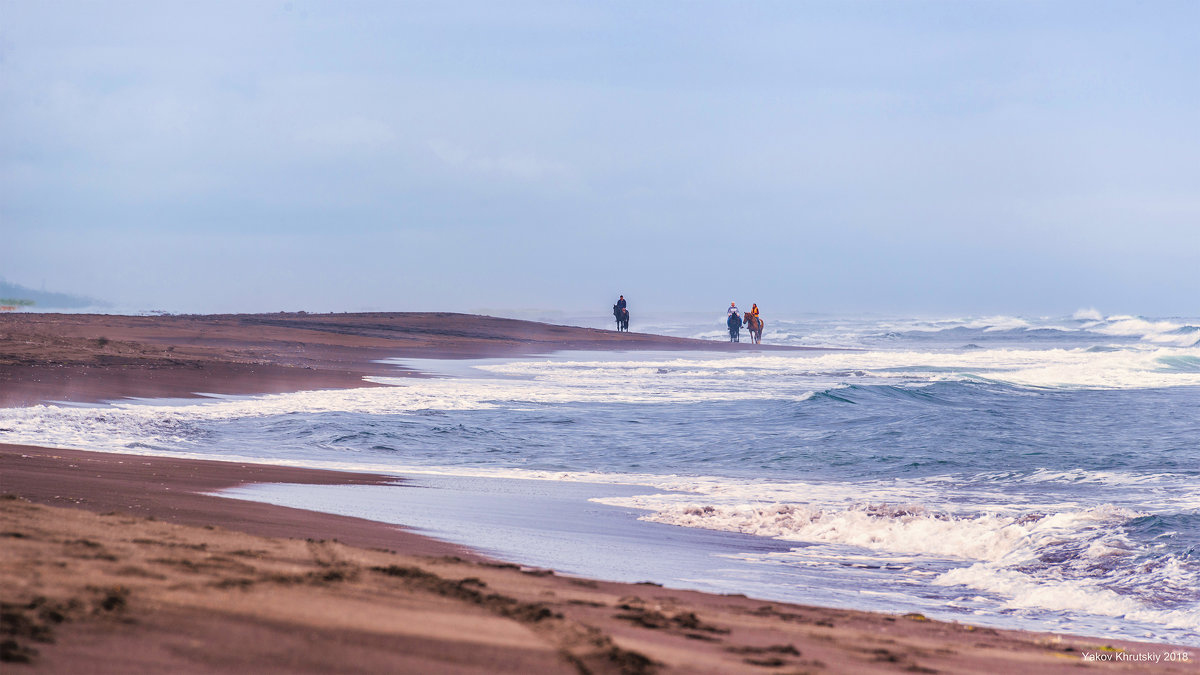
(621, 314)
(735, 327)
(755, 324)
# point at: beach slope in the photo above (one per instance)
(146, 574)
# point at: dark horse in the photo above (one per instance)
(735, 327)
(755, 325)
(621, 314)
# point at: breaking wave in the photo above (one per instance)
(1097, 560)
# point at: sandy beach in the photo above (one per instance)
(124, 563)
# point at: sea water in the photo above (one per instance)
(1040, 473)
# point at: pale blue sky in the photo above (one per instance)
(947, 157)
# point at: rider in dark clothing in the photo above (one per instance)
(621, 302)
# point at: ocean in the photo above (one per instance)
(1018, 472)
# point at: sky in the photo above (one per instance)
(890, 156)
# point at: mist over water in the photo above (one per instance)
(1036, 473)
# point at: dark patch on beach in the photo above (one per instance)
(903, 661)
(335, 575)
(109, 599)
(587, 648)
(787, 650)
(656, 620)
(21, 623)
(88, 549)
(134, 571)
(169, 544)
(586, 603)
(177, 562)
(772, 656)
(36, 620)
(792, 617)
(468, 590)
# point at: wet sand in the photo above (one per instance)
(121, 563)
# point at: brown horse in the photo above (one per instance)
(755, 324)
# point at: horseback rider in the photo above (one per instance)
(621, 314)
(732, 309)
(755, 323)
(734, 322)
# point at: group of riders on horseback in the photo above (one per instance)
(751, 320)
(734, 320)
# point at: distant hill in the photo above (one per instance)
(18, 295)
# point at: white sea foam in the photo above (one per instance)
(742, 376)
(616, 378)
(1158, 332)
(998, 323)
(897, 527)
(1085, 325)
(1006, 549)
(1023, 591)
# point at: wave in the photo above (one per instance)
(893, 527)
(1086, 327)
(1025, 591)
(913, 376)
(1094, 560)
(1181, 363)
(737, 375)
(1158, 332)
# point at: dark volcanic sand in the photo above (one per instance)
(90, 357)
